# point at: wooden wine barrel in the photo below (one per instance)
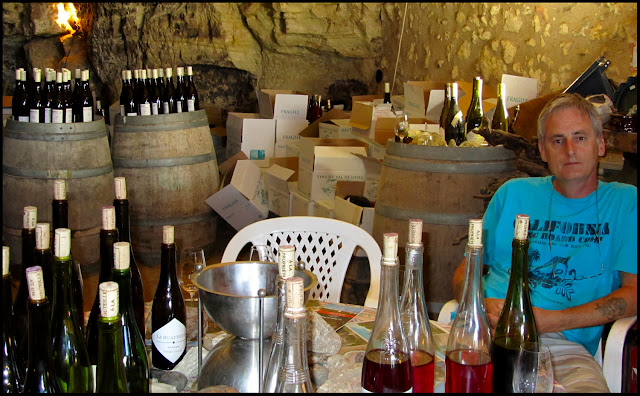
(170, 167)
(34, 155)
(437, 185)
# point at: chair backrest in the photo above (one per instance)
(324, 245)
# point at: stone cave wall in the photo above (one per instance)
(322, 48)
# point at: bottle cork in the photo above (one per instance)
(35, 283)
(43, 236)
(390, 246)
(29, 217)
(475, 233)
(121, 187)
(180, 71)
(167, 234)
(108, 218)
(59, 189)
(62, 242)
(109, 299)
(286, 261)
(415, 231)
(295, 297)
(522, 227)
(5, 260)
(121, 255)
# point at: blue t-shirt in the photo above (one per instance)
(567, 266)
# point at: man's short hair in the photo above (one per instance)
(567, 101)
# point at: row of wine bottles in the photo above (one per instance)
(399, 354)
(53, 100)
(152, 92)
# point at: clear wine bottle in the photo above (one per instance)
(413, 311)
(387, 363)
(468, 359)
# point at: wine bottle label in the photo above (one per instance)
(145, 109)
(522, 227)
(456, 118)
(132, 114)
(23, 118)
(62, 242)
(108, 218)
(191, 105)
(180, 71)
(34, 115)
(154, 108)
(475, 232)
(43, 236)
(109, 299)
(68, 117)
(178, 106)
(121, 255)
(35, 284)
(29, 217)
(5, 260)
(165, 107)
(121, 187)
(121, 109)
(47, 115)
(167, 234)
(189, 71)
(59, 189)
(390, 245)
(294, 287)
(57, 116)
(286, 261)
(386, 88)
(415, 231)
(87, 114)
(170, 340)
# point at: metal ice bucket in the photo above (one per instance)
(229, 294)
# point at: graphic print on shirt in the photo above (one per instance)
(562, 270)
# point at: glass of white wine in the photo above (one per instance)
(191, 261)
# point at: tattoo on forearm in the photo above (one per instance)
(612, 308)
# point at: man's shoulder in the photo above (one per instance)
(625, 194)
(527, 183)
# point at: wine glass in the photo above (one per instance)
(191, 261)
(533, 372)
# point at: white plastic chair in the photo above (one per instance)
(324, 245)
(611, 363)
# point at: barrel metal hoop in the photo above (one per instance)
(127, 127)
(160, 162)
(171, 221)
(426, 217)
(56, 136)
(57, 173)
(452, 167)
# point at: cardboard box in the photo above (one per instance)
(214, 114)
(276, 180)
(417, 95)
(351, 213)
(322, 209)
(253, 136)
(325, 161)
(335, 129)
(282, 104)
(244, 200)
(287, 131)
(300, 205)
(313, 130)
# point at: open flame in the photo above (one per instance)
(68, 19)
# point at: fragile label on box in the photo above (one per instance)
(519, 89)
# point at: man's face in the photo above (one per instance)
(570, 146)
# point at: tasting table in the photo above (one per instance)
(354, 324)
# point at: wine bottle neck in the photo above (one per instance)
(107, 239)
(62, 296)
(519, 279)
(38, 332)
(472, 293)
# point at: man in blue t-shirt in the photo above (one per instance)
(583, 232)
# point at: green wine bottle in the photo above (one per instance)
(445, 108)
(69, 349)
(475, 113)
(501, 115)
(40, 376)
(108, 236)
(12, 372)
(111, 374)
(454, 123)
(136, 361)
(516, 323)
